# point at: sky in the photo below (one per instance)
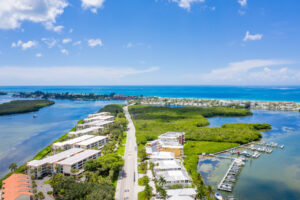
(149, 42)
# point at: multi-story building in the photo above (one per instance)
(167, 142)
(94, 124)
(172, 136)
(70, 143)
(94, 142)
(174, 177)
(98, 114)
(88, 130)
(43, 167)
(167, 165)
(99, 118)
(17, 187)
(157, 156)
(74, 164)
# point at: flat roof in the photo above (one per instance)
(101, 117)
(167, 164)
(92, 140)
(182, 192)
(85, 131)
(55, 158)
(170, 144)
(174, 175)
(78, 157)
(162, 155)
(99, 114)
(171, 134)
(96, 123)
(73, 141)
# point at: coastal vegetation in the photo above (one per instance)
(23, 106)
(114, 109)
(72, 96)
(152, 121)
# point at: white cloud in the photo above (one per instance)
(14, 12)
(38, 55)
(24, 45)
(64, 51)
(93, 5)
(50, 42)
(248, 36)
(243, 3)
(50, 26)
(186, 4)
(251, 72)
(66, 40)
(72, 75)
(95, 42)
(129, 45)
(77, 43)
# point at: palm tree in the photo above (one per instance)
(13, 167)
(200, 193)
(210, 190)
(162, 181)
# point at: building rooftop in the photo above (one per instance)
(167, 164)
(170, 144)
(55, 158)
(162, 155)
(174, 175)
(92, 140)
(171, 134)
(100, 117)
(16, 185)
(98, 114)
(96, 123)
(73, 141)
(78, 157)
(84, 131)
(182, 192)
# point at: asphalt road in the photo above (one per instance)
(126, 187)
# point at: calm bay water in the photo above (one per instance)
(22, 136)
(274, 176)
(271, 176)
(273, 93)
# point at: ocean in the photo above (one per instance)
(274, 176)
(262, 93)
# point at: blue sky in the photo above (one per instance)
(149, 42)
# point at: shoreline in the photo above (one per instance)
(199, 102)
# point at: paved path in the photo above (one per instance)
(127, 182)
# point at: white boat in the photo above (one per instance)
(34, 116)
(218, 196)
(282, 146)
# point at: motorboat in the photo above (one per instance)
(218, 196)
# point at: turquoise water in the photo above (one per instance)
(280, 93)
(271, 176)
(22, 136)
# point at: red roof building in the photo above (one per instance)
(17, 187)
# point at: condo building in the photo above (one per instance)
(99, 118)
(103, 124)
(48, 165)
(94, 142)
(174, 177)
(74, 165)
(70, 143)
(98, 114)
(86, 131)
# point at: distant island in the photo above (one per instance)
(72, 96)
(23, 106)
